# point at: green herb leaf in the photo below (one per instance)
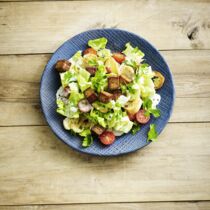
(87, 141)
(152, 134)
(135, 129)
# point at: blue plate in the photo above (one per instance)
(117, 39)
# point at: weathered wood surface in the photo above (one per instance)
(203, 205)
(36, 168)
(40, 27)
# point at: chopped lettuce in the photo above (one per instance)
(124, 125)
(97, 117)
(83, 79)
(147, 106)
(152, 134)
(136, 127)
(67, 77)
(74, 86)
(77, 58)
(98, 44)
(133, 54)
(104, 53)
(87, 141)
(99, 81)
(61, 107)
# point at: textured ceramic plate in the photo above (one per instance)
(117, 39)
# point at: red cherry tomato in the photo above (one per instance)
(89, 51)
(141, 118)
(119, 57)
(107, 137)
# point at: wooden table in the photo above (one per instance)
(39, 172)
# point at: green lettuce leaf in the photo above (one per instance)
(133, 55)
(87, 141)
(152, 134)
(77, 58)
(136, 127)
(99, 81)
(96, 117)
(83, 79)
(124, 125)
(98, 44)
(147, 106)
(61, 107)
(67, 77)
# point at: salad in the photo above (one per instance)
(107, 93)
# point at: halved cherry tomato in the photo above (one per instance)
(107, 137)
(158, 80)
(89, 51)
(119, 57)
(141, 118)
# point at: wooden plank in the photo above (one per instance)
(36, 168)
(40, 27)
(16, 112)
(202, 205)
(190, 68)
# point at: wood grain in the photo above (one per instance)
(20, 75)
(36, 168)
(40, 27)
(202, 205)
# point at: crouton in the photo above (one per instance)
(97, 129)
(90, 95)
(113, 83)
(105, 97)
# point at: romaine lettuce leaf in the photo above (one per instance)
(67, 77)
(133, 54)
(98, 44)
(124, 125)
(152, 134)
(83, 79)
(77, 59)
(61, 107)
(99, 81)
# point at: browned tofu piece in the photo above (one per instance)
(62, 65)
(91, 70)
(113, 83)
(97, 129)
(90, 95)
(105, 97)
(124, 79)
(116, 94)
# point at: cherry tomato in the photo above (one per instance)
(89, 51)
(119, 57)
(141, 118)
(158, 80)
(107, 137)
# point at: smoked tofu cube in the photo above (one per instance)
(90, 95)
(113, 83)
(105, 97)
